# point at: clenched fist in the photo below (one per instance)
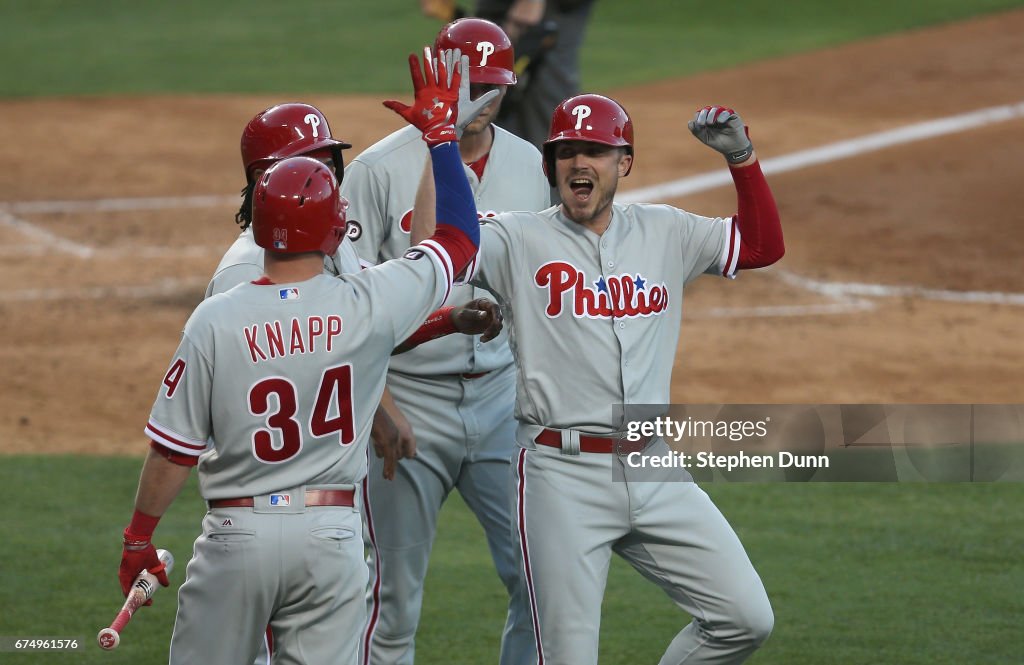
(138, 555)
(722, 129)
(478, 317)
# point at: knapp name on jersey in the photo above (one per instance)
(295, 336)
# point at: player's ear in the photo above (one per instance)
(625, 162)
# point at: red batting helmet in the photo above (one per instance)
(296, 208)
(287, 130)
(591, 118)
(491, 58)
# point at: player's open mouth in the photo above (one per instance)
(581, 188)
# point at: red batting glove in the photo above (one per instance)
(436, 105)
(138, 555)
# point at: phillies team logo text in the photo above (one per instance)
(612, 296)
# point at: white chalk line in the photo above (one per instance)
(797, 160)
(832, 152)
(777, 311)
(53, 242)
(844, 289)
(839, 292)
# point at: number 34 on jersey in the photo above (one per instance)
(275, 401)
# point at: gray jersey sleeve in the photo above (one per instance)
(709, 245)
(243, 262)
(395, 290)
(367, 196)
(232, 276)
(181, 418)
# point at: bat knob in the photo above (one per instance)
(167, 558)
(108, 639)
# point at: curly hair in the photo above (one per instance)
(244, 215)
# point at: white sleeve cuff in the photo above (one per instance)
(439, 255)
(174, 441)
(730, 251)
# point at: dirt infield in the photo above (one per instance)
(96, 299)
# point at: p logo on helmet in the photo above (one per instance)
(280, 132)
(486, 48)
(313, 121)
(582, 112)
(491, 58)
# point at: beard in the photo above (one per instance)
(586, 212)
(480, 124)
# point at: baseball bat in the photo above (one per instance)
(143, 588)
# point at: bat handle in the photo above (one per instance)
(120, 621)
(142, 590)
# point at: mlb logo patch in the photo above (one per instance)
(282, 500)
(289, 294)
(280, 244)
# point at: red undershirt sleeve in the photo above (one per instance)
(757, 220)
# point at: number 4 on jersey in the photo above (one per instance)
(173, 377)
(332, 412)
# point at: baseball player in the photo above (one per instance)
(456, 394)
(593, 293)
(284, 130)
(293, 129)
(271, 392)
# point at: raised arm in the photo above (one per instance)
(423, 221)
(435, 113)
(757, 228)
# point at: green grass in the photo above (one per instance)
(64, 47)
(669, 38)
(857, 573)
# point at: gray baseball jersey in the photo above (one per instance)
(594, 321)
(243, 262)
(457, 394)
(274, 387)
(603, 310)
